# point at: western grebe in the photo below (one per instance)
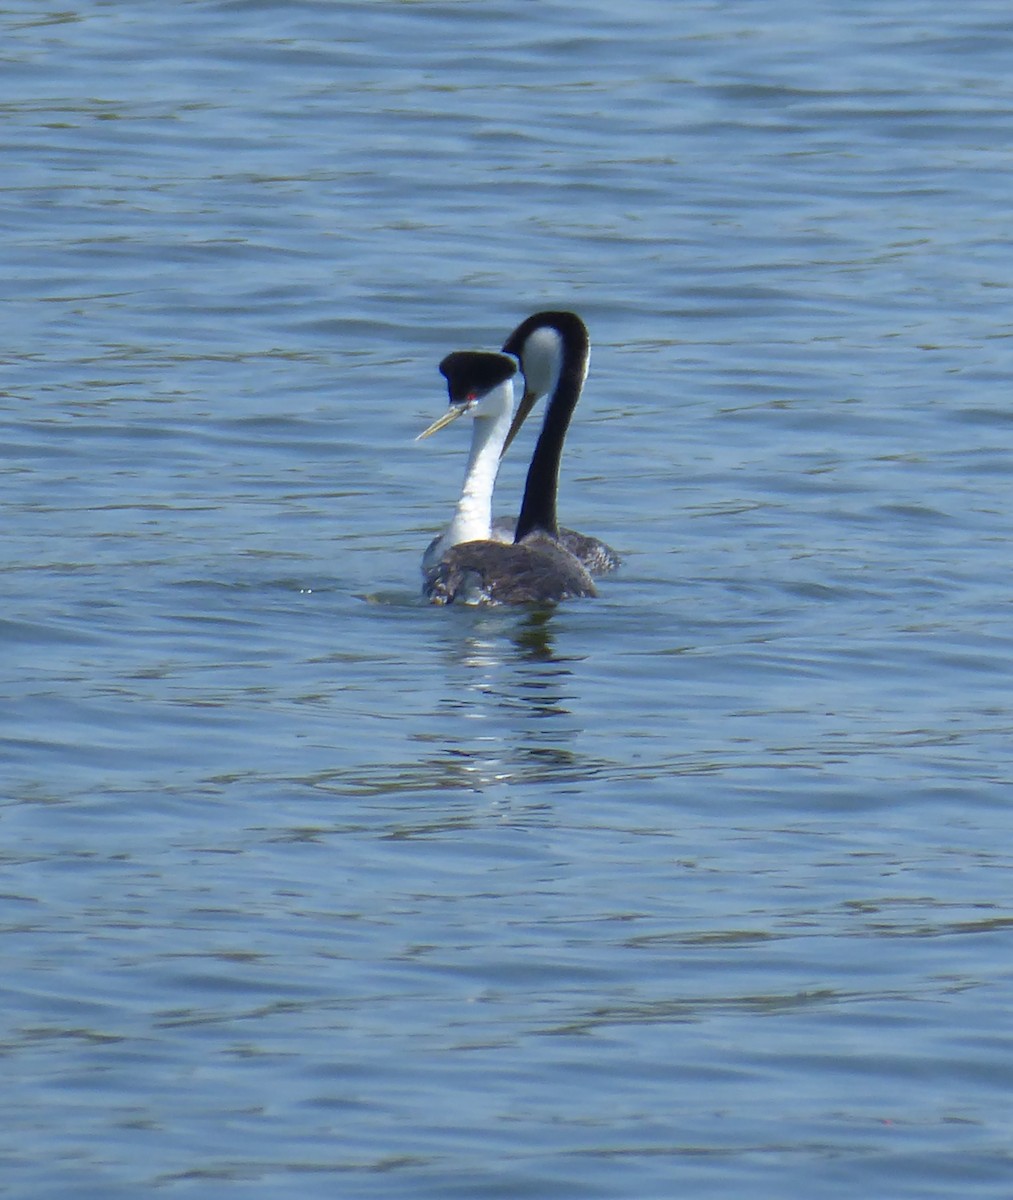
(480, 384)
(553, 349)
(464, 563)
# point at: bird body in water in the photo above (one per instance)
(537, 570)
(464, 563)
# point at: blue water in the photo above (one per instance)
(701, 888)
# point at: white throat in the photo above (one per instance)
(542, 360)
(472, 521)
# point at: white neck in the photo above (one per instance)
(472, 521)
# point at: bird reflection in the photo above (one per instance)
(504, 718)
(501, 728)
(533, 637)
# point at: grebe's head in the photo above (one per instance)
(479, 382)
(543, 343)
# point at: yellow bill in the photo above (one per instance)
(452, 413)
(520, 416)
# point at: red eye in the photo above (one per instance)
(471, 397)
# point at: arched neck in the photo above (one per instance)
(538, 508)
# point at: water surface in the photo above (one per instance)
(699, 888)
